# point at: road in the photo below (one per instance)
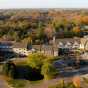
(67, 76)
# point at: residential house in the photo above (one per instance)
(5, 45)
(16, 47)
(52, 49)
(84, 30)
(58, 45)
(67, 45)
(84, 43)
(20, 48)
(47, 49)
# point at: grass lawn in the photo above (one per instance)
(0, 68)
(36, 82)
(18, 83)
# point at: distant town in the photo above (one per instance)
(48, 47)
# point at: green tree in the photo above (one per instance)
(40, 31)
(48, 71)
(36, 60)
(9, 69)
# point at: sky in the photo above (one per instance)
(7, 4)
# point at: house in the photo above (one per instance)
(76, 45)
(84, 43)
(84, 30)
(6, 50)
(67, 45)
(58, 45)
(22, 48)
(47, 49)
(5, 45)
(16, 47)
(68, 42)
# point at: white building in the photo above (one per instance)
(76, 45)
(84, 43)
(21, 49)
(69, 43)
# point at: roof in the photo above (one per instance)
(13, 44)
(70, 40)
(6, 43)
(19, 45)
(45, 47)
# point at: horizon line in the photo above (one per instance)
(63, 8)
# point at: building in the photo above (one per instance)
(84, 43)
(53, 49)
(67, 45)
(84, 30)
(16, 47)
(6, 45)
(20, 48)
(47, 49)
(59, 46)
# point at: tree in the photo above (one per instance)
(77, 54)
(49, 31)
(76, 30)
(36, 60)
(43, 64)
(40, 31)
(68, 34)
(48, 71)
(12, 35)
(84, 20)
(9, 69)
(12, 72)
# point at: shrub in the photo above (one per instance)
(36, 60)
(9, 69)
(42, 63)
(48, 71)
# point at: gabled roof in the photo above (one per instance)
(66, 40)
(13, 44)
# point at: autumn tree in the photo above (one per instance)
(76, 30)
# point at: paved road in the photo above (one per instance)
(67, 76)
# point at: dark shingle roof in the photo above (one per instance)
(65, 40)
(19, 45)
